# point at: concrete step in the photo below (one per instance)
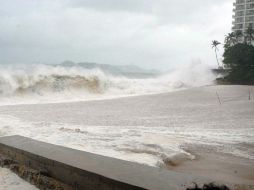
(83, 170)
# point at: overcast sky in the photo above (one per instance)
(150, 33)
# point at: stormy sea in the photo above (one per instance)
(177, 120)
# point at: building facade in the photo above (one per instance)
(243, 15)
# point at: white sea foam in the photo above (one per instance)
(154, 146)
(48, 84)
(10, 181)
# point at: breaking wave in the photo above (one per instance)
(45, 83)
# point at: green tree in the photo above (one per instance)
(239, 59)
(233, 38)
(215, 47)
(230, 39)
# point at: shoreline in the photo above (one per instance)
(104, 98)
(127, 96)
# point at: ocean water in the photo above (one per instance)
(59, 83)
(154, 121)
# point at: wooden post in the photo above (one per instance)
(218, 97)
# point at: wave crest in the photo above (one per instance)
(36, 81)
(44, 83)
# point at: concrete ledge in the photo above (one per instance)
(83, 170)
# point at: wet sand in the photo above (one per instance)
(219, 167)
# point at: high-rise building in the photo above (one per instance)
(243, 15)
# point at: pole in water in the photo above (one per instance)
(218, 97)
(249, 95)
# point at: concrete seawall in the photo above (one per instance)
(82, 170)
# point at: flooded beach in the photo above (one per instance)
(189, 130)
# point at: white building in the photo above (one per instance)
(243, 15)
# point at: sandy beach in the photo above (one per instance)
(193, 131)
(218, 166)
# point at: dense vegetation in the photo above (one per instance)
(238, 57)
(240, 61)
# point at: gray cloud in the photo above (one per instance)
(149, 33)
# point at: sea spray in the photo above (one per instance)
(58, 83)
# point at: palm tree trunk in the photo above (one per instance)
(217, 58)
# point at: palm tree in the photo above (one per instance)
(215, 44)
(249, 35)
(238, 35)
(230, 39)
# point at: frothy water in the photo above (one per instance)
(48, 84)
(154, 146)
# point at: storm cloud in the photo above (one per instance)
(152, 34)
